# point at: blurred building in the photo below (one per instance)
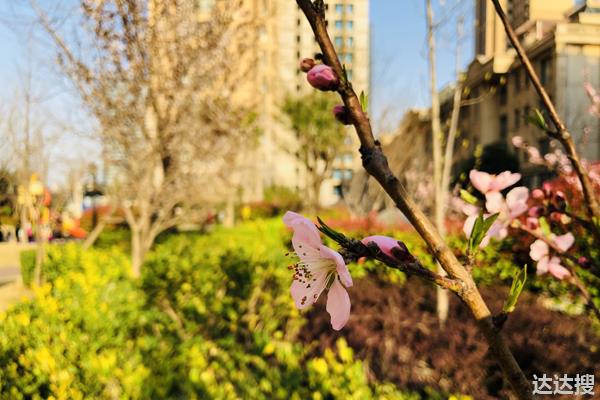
(563, 43)
(281, 42)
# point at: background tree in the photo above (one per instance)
(170, 107)
(318, 135)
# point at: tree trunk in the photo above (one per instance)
(138, 253)
(436, 135)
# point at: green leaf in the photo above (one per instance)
(468, 197)
(480, 228)
(545, 227)
(516, 288)
(364, 101)
(328, 231)
(538, 120)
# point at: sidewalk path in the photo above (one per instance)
(11, 287)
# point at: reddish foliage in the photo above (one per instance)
(395, 329)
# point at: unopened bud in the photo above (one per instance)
(342, 114)
(547, 189)
(323, 77)
(535, 212)
(306, 64)
(532, 223)
(537, 194)
(584, 262)
(556, 217)
(560, 201)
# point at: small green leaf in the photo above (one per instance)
(468, 197)
(364, 101)
(545, 226)
(327, 231)
(538, 120)
(480, 228)
(516, 288)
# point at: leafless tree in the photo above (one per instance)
(171, 108)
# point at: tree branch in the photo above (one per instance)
(375, 163)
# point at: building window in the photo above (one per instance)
(517, 78)
(347, 158)
(350, 8)
(339, 24)
(348, 57)
(337, 174)
(350, 42)
(298, 39)
(517, 118)
(339, 41)
(503, 127)
(347, 174)
(337, 190)
(526, 111)
(339, 8)
(350, 25)
(349, 74)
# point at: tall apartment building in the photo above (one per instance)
(281, 42)
(563, 43)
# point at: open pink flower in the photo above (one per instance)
(319, 268)
(540, 251)
(487, 183)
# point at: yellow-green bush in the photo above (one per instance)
(210, 318)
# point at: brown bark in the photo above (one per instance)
(375, 163)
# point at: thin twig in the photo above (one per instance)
(375, 163)
(561, 134)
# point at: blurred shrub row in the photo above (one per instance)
(210, 318)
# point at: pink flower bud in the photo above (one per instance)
(306, 64)
(537, 194)
(556, 217)
(386, 244)
(560, 201)
(323, 77)
(584, 262)
(535, 212)
(532, 223)
(342, 114)
(547, 188)
(517, 141)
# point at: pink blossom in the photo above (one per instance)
(323, 77)
(486, 183)
(532, 223)
(386, 244)
(319, 268)
(517, 141)
(514, 205)
(540, 251)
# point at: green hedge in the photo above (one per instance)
(210, 318)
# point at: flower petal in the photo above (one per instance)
(494, 202)
(542, 265)
(516, 200)
(469, 224)
(556, 268)
(538, 249)
(307, 293)
(480, 180)
(504, 180)
(338, 305)
(564, 242)
(340, 265)
(306, 239)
